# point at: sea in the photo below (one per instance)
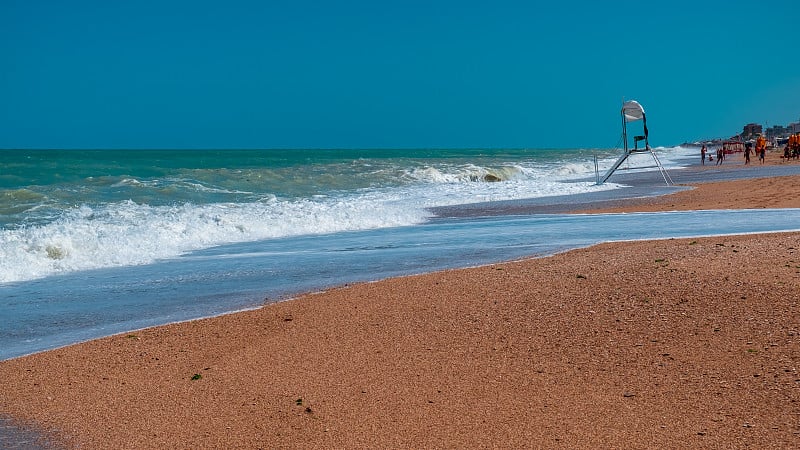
(103, 241)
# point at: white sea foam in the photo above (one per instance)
(465, 173)
(130, 233)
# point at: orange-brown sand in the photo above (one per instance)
(684, 343)
(775, 192)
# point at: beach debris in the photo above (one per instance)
(196, 376)
(299, 402)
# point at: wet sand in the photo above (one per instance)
(682, 343)
(773, 192)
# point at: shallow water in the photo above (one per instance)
(42, 314)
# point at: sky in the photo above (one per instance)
(390, 74)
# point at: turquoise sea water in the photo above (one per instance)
(64, 211)
(95, 242)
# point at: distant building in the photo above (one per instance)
(775, 133)
(751, 130)
(778, 131)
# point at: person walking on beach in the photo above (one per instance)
(703, 155)
(747, 149)
(761, 148)
(720, 156)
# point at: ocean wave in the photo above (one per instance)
(19, 200)
(128, 233)
(131, 182)
(571, 169)
(141, 217)
(464, 174)
(175, 183)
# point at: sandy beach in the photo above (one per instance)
(682, 343)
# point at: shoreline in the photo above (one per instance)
(639, 186)
(738, 194)
(464, 357)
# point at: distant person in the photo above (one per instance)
(720, 156)
(703, 155)
(747, 150)
(761, 148)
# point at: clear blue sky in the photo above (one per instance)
(383, 73)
